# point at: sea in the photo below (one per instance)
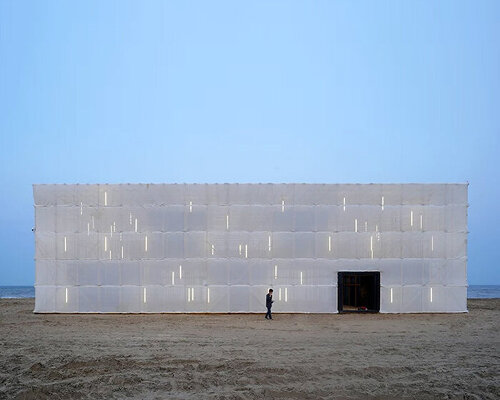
(473, 292)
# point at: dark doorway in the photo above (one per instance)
(359, 291)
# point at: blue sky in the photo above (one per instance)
(261, 91)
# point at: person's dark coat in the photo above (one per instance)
(269, 300)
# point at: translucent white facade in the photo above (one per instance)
(220, 247)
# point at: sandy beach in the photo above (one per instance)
(157, 356)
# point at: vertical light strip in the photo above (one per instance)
(269, 242)
(190, 206)
(432, 243)
(421, 222)
(330, 243)
(130, 218)
(279, 294)
(173, 278)
(376, 228)
(88, 228)
(208, 295)
(246, 251)
(81, 208)
(111, 230)
(105, 243)
(110, 254)
(213, 249)
(344, 203)
(371, 245)
(276, 272)
(355, 224)
(431, 295)
(180, 271)
(105, 198)
(301, 276)
(93, 222)
(383, 203)
(366, 226)
(144, 299)
(189, 294)
(240, 249)
(66, 294)
(146, 243)
(411, 218)
(391, 295)
(282, 205)
(122, 252)
(114, 226)
(65, 246)
(121, 236)
(136, 224)
(192, 294)
(227, 222)
(286, 294)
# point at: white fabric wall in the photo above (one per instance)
(220, 247)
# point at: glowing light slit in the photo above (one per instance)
(383, 203)
(431, 295)
(246, 251)
(105, 198)
(355, 225)
(208, 295)
(240, 249)
(213, 249)
(65, 242)
(93, 222)
(329, 243)
(130, 218)
(180, 271)
(282, 205)
(391, 295)
(411, 218)
(88, 228)
(366, 226)
(432, 243)
(192, 294)
(110, 254)
(114, 226)
(173, 278)
(279, 294)
(81, 208)
(269, 243)
(135, 225)
(421, 221)
(144, 295)
(371, 246)
(190, 206)
(111, 230)
(275, 272)
(344, 203)
(122, 252)
(301, 276)
(146, 243)
(66, 294)
(286, 294)
(105, 243)
(227, 222)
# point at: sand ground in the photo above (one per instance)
(424, 356)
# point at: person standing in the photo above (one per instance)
(269, 304)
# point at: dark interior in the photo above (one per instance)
(359, 291)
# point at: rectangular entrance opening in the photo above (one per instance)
(359, 291)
